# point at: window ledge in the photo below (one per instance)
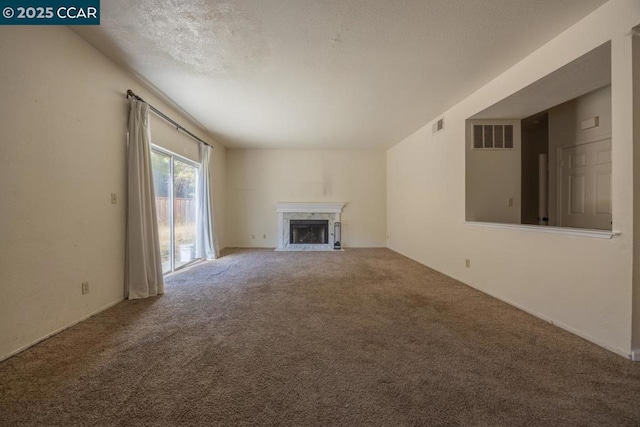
(580, 232)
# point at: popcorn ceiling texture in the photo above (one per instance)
(195, 37)
(323, 74)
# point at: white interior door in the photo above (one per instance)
(585, 194)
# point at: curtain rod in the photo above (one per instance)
(164, 116)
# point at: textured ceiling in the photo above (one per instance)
(323, 73)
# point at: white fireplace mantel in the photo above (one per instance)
(287, 211)
(328, 207)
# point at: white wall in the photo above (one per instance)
(564, 130)
(63, 116)
(535, 141)
(636, 196)
(257, 179)
(581, 284)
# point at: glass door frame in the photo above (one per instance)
(172, 156)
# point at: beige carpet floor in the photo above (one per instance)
(362, 337)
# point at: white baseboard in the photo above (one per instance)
(635, 356)
(618, 351)
(561, 325)
(57, 331)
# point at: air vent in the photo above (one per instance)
(493, 137)
(438, 125)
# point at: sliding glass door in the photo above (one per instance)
(185, 178)
(163, 191)
(175, 180)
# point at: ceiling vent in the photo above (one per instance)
(438, 125)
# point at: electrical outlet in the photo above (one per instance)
(253, 236)
(467, 263)
(264, 236)
(510, 201)
(85, 288)
(114, 198)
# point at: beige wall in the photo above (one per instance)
(492, 178)
(581, 284)
(63, 118)
(257, 179)
(165, 135)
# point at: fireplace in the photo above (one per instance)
(309, 231)
(307, 226)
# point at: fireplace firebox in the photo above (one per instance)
(309, 231)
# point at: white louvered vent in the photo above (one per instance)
(496, 136)
(438, 125)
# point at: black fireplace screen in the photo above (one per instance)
(309, 231)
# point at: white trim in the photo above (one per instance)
(334, 207)
(57, 331)
(561, 325)
(579, 333)
(567, 231)
(635, 356)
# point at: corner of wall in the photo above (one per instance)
(635, 318)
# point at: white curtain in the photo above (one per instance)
(143, 266)
(207, 245)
